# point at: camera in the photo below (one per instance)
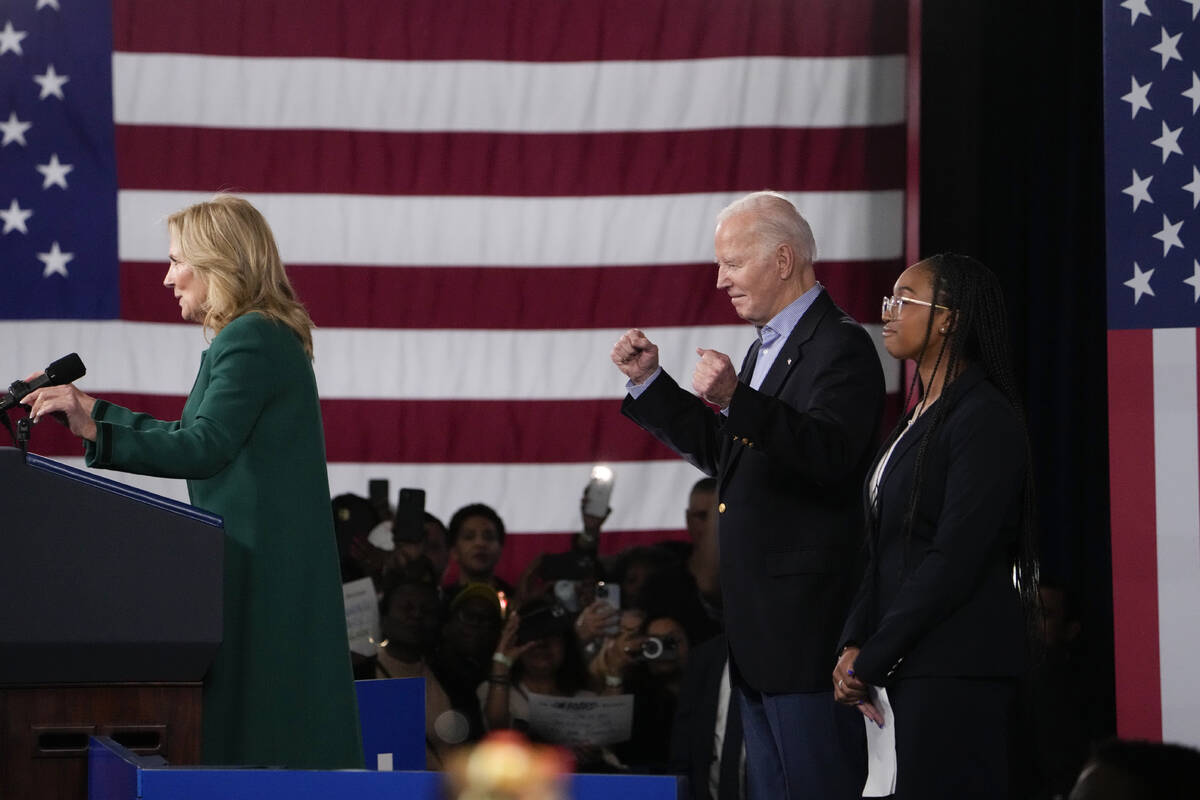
(571, 565)
(658, 648)
(564, 593)
(609, 593)
(542, 623)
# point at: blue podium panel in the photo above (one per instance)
(188, 783)
(114, 773)
(391, 713)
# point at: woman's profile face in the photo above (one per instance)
(904, 329)
(190, 289)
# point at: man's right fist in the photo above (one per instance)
(635, 355)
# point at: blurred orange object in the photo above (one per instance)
(505, 766)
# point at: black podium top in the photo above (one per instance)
(101, 582)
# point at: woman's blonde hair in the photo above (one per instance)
(228, 244)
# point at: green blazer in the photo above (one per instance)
(251, 446)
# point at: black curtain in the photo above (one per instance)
(1012, 173)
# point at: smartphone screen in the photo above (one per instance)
(377, 493)
(409, 523)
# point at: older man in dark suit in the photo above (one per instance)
(790, 447)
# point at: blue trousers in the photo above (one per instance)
(802, 746)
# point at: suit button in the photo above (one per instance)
(721, 508)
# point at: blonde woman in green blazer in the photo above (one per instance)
(250, 444)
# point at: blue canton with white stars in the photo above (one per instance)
(1152, 162)
(58, 181)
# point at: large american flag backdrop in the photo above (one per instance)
(1152, 191)
(473, 199)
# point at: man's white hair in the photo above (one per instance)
(776, 222)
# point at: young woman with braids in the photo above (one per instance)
(936, 637)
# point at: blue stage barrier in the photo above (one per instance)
(391, 714)
(115, 773)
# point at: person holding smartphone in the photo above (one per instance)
(537, 653)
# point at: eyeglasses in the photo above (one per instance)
(893, 306)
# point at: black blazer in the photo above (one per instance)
(790, 460)
(944, 604)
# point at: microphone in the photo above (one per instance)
(67, 369)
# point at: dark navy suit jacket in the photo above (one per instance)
(790, 461)
(943, 604)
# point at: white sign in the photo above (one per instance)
(581, 720)
(362, 616)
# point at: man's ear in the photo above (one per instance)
(785, 261)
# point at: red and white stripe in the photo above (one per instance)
(1154, 450)
(475, 200)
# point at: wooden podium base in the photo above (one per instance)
(44, 739)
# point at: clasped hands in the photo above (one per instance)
(714, 378)
(851, 691)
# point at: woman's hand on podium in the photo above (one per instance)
(66, 404)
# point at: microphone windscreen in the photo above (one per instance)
(67, 369)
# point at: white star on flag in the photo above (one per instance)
(1140, 283)
(14, 130)
(55, 173)
(1193, 93)
(1135, 7)
(1169, 235)
(1137, 98)
(10, 40)
(51, 83)
(1194, 187)
(1169, 141)
(1168, 48)
(54, 4)
(1195, 4)
(14, 218)
(1139, 190)
(1194, 281)
(56, 262)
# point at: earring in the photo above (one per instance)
(943, 330)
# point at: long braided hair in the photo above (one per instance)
(980, 336)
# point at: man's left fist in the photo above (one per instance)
(715, 378)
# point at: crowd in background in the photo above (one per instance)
(574, 624)
(645, 621)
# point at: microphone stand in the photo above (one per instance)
(21, 436)
(24, 427)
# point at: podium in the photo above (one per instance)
(110, 614)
